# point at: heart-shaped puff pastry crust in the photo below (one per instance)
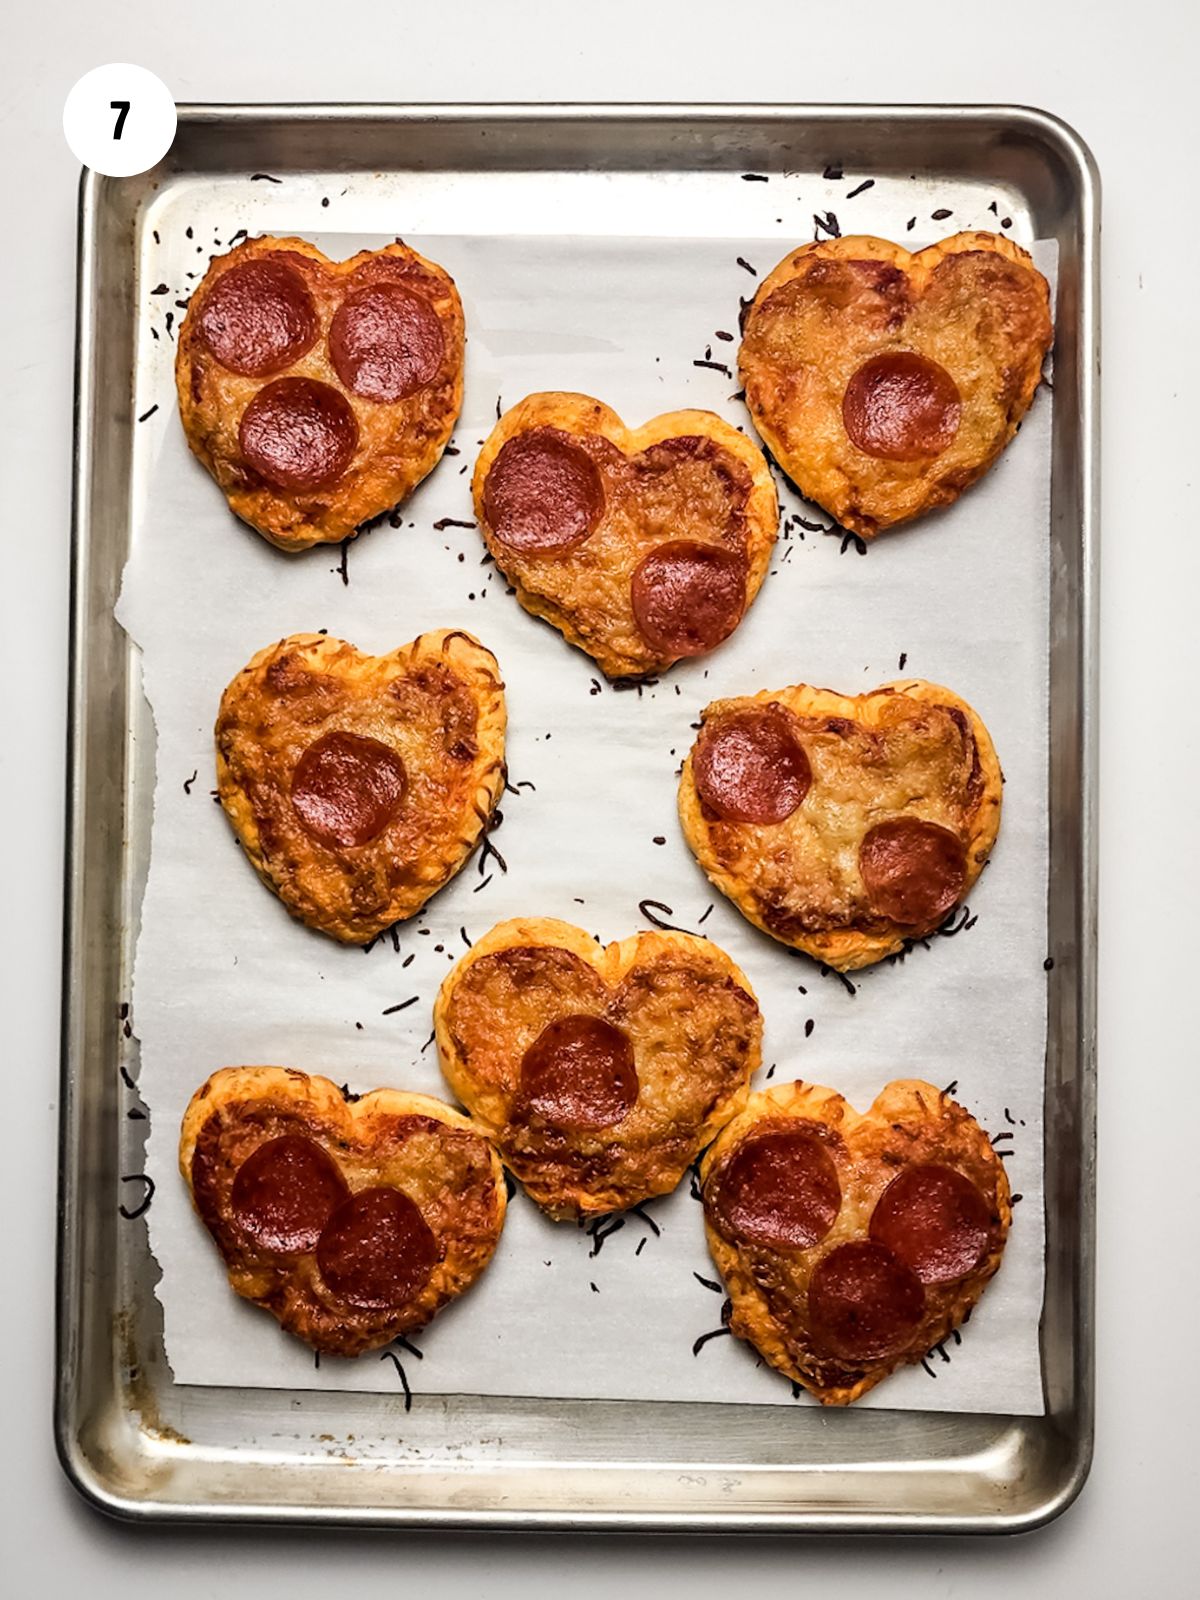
(600, 1074)
(843, 825)
(886, 383)
(358, 785)
(351, 1219)
(319, 393)
(852, 1244)
(640, 545)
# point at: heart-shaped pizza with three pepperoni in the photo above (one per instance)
(319, 393)
(851, 1244)
(351, 1219)
(843, 825)
(358, 785)
(640, 545)
(886, 383)
(600, 1074)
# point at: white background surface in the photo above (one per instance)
(1124, 76)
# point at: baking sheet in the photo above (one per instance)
(224, 976)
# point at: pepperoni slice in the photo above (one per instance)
(346, 789)
(258, 318)
(781, 1189)
(298, 434)
(750, 767)
(913, 871)
(377, 1250)
(688, 597)
(579, 1073)
(543, 493)
(901, 407)
(936, 1220)
(863, 1302)
(285, 1193)
(386, 342)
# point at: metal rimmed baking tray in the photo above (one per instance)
(140, 1445)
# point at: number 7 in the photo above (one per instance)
(121, 107)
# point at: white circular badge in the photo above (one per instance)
(119, 120)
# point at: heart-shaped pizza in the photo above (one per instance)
(886, 383)
(852, 1244)
(843, 825)
(351, 1219)
(358, 785)
(640, 545)
(319, 393)
(600, 1074)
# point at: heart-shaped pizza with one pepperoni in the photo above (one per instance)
(886, 383)
(852, 1244)
(640, 545)
(843, 825)
(351, 1219)
(319, 393)
(358, 785)
(600, 1074)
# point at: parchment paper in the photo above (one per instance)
(224, 976)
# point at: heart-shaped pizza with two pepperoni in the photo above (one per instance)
(351, 1219)
(640, 545)
(852, 1243)
(319, 393)
(600, 1073)
(358, 785)
(843, 825)
(886, 383)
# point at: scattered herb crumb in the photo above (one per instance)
(649, 908)
(132, 1213)
(705, 1337)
